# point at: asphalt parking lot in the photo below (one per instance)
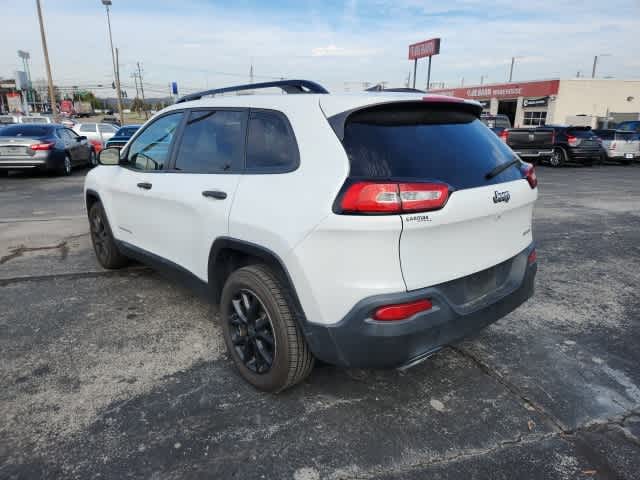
(124, 374)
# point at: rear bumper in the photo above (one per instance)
(359, 341)
(584, 155)
(533, 153)
(21, 163)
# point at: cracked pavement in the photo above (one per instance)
(125, 374)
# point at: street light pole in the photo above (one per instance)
(52, 98)
(116, 69)
(595, 63)
(513, 62)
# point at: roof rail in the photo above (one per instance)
(288, 86)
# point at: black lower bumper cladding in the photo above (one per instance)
(459, 310)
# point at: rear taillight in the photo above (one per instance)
(382, 197)
(401, 311)
(42, 146)
(504, 136)
(533, 257)
(529, 172)
(572, 140)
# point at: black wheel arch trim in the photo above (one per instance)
(269, 257)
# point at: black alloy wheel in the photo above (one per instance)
(252, 332)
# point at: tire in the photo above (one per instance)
(104, 245)
(4, 173)
(558, 158)
(626, 162)
(266, 329)
(93, 161)
(66, 167)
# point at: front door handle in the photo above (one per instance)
(217, 194)
(145, 185)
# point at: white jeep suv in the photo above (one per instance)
(365, 230)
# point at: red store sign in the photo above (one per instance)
(505, 90)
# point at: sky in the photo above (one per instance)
(338, 43)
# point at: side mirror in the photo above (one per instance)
(109, 156)
(81, 138)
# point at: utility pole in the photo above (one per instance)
(513, 60)
(52, 98)
(116, 65)
(135, 80)
(142, 91)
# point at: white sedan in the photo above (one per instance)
(95, 131)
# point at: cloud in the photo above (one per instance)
(334, 51)
(201, 44)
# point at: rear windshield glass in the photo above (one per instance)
(25, 131)
(127, 131)
(421, 143)
(605, 134)
(496, 122)
(6, 119)
(32, 120)
(580, 132)
(622, 135)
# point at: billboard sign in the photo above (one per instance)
(506, 90)
(174, 88)
(424, 49)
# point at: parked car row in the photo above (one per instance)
(50, 147)
(57, 147)
(561, 144)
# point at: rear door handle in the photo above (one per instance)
(145, 185)
(217, 194)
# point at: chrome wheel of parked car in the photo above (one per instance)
(66, 166)
(557, 158)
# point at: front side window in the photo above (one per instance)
(271, 146)
(151, 149)
(212, 142)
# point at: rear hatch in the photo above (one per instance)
(626, 142)
(456, 218)
(530, 139)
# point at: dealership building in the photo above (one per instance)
(580, 101)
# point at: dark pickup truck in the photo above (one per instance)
(530, 144)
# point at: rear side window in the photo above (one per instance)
(212, 142)
(271, 146)
(425, 143)
(88, 127)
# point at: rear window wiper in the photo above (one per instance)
(501, 168)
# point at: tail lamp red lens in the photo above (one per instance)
(572, 140)
(504, 136)
(529, 172)
(42, 146)
(533, 257)
(401, 311)
(374, 197)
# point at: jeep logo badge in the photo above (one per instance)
(501, 196)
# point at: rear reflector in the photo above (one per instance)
(401, 311)
(529, 172)
(533, 256)
(42, 146)
(374, 197)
